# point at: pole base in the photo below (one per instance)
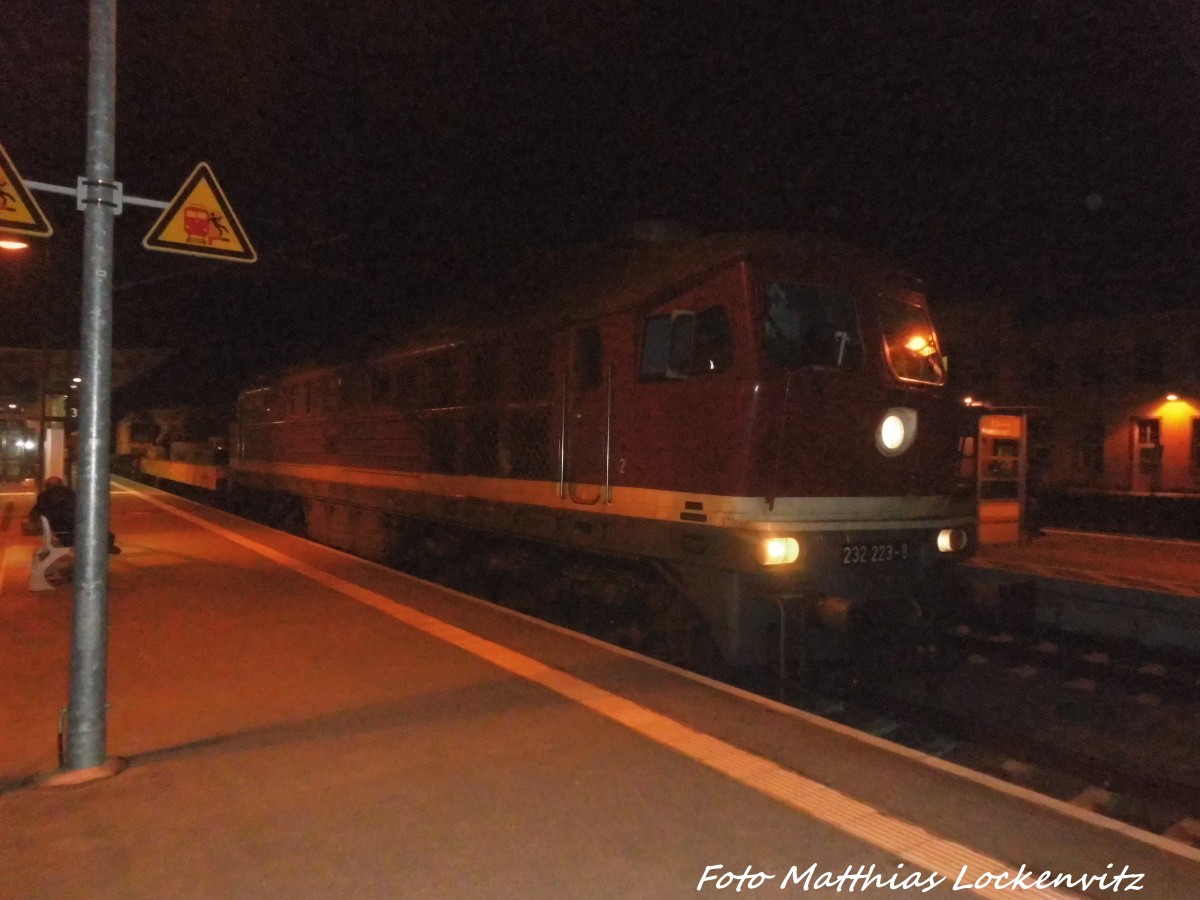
(71, 777)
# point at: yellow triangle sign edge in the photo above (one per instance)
(155, 241)
(11, 178)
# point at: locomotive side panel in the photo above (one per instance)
(724, 427)
(689, 406)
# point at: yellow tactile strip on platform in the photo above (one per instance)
(911, 843)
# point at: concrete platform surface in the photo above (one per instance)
(1151, 564)
(1110, 586)
(299, 723)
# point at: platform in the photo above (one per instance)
(1146, 590)
(300, 723)
(1152, 564)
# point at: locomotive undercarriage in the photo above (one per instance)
(670, 590)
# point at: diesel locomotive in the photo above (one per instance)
(761, 422)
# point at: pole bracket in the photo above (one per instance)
(96, 191)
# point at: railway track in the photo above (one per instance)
(1153, 675)
(1104, 727)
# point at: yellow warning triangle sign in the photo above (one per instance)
(200, 222)
(18, 210)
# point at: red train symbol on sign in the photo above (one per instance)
(202, 226)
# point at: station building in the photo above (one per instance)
(1112, 402)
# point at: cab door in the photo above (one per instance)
(588, 418)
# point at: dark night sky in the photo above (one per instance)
(375, 149)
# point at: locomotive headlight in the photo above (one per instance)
(951, 540)
(778, 551)
(897, 430)
(891, 433)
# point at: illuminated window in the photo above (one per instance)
(1147, 431)
(909, 342)
(1149, 447)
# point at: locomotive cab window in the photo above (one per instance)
(811, 326)
(684, 344)
(909, 341)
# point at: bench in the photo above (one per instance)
(50, 552)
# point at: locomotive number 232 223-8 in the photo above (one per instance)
(865, 554)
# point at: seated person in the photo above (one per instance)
(57, 503)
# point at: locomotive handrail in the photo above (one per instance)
(562, 439)
(608, 438)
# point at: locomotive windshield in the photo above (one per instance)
(909, 341)
(810, 325)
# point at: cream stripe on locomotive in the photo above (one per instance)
(793, 513)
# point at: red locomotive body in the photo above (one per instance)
(761, 418)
